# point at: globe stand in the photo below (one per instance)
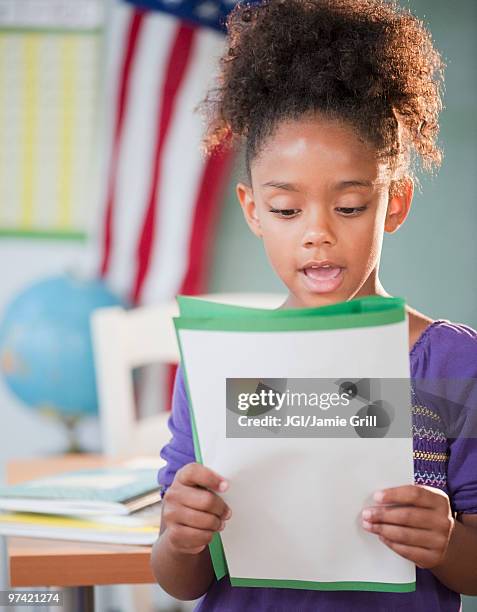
(69, 422)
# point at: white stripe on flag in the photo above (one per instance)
(137, 147)
(177, 193)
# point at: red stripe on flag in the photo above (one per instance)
(203, 231)
(204, 224)
(177, 64)
(134, 30)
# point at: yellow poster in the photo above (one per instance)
(49, 85)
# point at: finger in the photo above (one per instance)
(424, 538)
(198, 499)
(199, 520)
(416, 495)
(422, 557)
(196, 474)
(187, 539)
(409, 516)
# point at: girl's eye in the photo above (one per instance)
(284, 212)
(347, 212)
(351, 212)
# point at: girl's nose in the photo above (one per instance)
(318, 231)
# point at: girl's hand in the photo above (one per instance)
(192, 511)
(418, 529)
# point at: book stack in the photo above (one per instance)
(117, 505)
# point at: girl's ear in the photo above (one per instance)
(247, 202)
(399, 204)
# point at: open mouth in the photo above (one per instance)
(323, 279)
(323, 273)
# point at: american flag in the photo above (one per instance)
(160, 196)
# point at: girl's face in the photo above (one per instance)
(319, 199)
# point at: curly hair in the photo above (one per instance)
(370, 63)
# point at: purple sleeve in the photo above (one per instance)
(462, 467)
(180, 449)
(451, 375)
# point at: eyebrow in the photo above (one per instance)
(337, 187)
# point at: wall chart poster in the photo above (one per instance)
(49, 84)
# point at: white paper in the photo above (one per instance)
(297, 502)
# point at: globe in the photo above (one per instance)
(46, 354)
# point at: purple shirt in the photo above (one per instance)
(445, 350)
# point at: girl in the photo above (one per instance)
(334, 101)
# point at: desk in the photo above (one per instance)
(37, 562)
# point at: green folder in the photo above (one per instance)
(199, 314)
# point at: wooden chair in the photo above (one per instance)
(127, 339)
